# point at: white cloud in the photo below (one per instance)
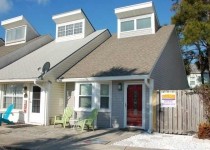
(42, 1)
(5, 6)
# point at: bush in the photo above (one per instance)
(204, 93)
(204, 131)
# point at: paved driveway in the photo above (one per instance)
(41, 137)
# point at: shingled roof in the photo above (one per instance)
(126, 56)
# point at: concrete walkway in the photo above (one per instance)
(40, 137)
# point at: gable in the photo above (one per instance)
(169, 72)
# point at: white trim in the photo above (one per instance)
(17, 80)
(143, 103)
(14, 42)
(95, 96)
(131, 77)
(12, 20)
(151, 88)
(73, 36)
(133, 7)
(78, 11)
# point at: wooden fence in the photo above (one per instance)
(182, 119)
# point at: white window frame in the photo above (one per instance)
(10, 95)
(135, 23)
(22, 40)
(70, 23)
(95, 96)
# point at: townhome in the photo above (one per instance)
(120, 76)
(30, 82)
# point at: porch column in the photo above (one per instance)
(151, 88)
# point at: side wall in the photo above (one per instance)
(169, 72)
(56, 99)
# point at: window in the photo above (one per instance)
(127, 25)
(13, 94)
(15, 34)
(85, 96)
(192, 82)
(61, 31)
(36, 99)
(104, 96)
(143, 23)
(70, 29)
(78, 28)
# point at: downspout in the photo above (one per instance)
(151, 87)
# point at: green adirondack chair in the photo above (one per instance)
(87, 123)
(64, 119)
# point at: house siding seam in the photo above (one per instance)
(169, 72)
(117, 111)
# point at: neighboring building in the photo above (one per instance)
(20, 39)
(194, 79)
(30, 82)
(88, 69)
(120, 76)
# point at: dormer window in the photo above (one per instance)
(16, 34)
(72, 25)
(127, 25)
(136, 20)
(135, 24)
(69, 29)
(143, 23)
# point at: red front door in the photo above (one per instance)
(134, 105)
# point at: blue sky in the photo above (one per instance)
(100, 12)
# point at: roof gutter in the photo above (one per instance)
(130, 77)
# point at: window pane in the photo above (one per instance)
(69, 29)
(18, 102)
(85, 89)
(36, 99)
(7, 102)
(105, 89)
(15, 34)
(61, 31)
(144, 23)
(192, 82)
(85, 101)
(78, 28)
(104, 103)
(127, 25)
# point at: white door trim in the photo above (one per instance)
(143, 103)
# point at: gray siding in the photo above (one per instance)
(32, 46)
(30, 34)
(103, 120)
(169, 72)
(117, 105)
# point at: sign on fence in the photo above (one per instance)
(168, 99)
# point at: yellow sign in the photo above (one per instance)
(168, 99)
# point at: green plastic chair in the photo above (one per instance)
(64, 119)
(87, 122)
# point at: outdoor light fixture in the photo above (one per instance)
(25, 91)
(119, 86)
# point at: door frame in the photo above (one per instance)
(30, 106)
(126, 84)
